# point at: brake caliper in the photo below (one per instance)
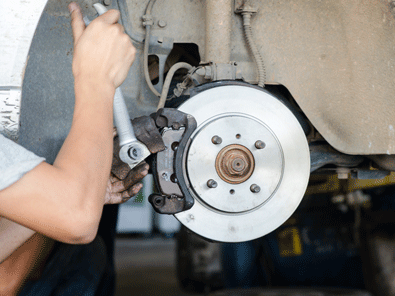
(176, 129)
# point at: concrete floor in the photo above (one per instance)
(146, 267)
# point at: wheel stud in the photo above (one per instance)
(212, 183)
(216, 140)
(255, 188)
(260, 144)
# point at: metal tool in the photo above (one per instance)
(132, 150)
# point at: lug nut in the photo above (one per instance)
(212, 184)
(255, 188)
(216, 140)
(260, 144)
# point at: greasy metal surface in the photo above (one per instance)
(168, 165)
(240, 219)
(167, 204)
(322, 154)
(176, 119)
(147, 132)
(235, 164)
(164, 162)
(218, 25)
(336, 58)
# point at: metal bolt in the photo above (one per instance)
(260, 144)
(212, 184)
(216, 140)
(165, 176)
(134, 153)
(255, 188)
(107, 2)
(162, 24)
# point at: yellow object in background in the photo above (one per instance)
(289, 242)
(331, 184)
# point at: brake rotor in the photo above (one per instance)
(247, 163)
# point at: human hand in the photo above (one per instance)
(121, 190)
(103, 53)
(124, 182)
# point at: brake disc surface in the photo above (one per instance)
(247, 164)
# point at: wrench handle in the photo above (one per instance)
(121, 116)
(122, 120)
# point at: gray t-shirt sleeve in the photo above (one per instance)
(15, 161)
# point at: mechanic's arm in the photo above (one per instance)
(12, 236)
(64, 201)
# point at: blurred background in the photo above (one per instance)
(332, 245)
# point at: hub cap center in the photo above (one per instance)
(235, 164)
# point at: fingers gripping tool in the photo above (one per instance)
(132, 151)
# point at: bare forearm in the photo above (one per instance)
(12, 236)
(65, 201)
(24, 263)
(87, 151)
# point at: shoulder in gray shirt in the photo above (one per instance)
(15, 161)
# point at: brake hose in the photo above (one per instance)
(169, 77)
(252, 46)
(148, 22)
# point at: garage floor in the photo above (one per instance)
(146, 267)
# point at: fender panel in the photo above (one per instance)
(336, 57)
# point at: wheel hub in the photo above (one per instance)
(235, 164)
